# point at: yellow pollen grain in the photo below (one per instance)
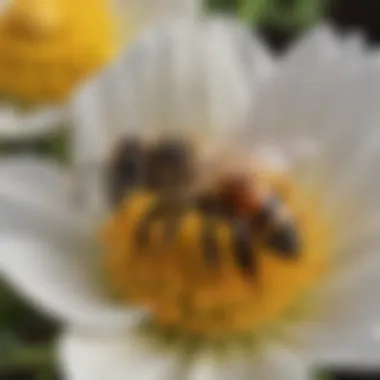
(48, 46)
(174, 281)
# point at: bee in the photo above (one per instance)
(169, 168)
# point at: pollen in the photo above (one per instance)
(48, 46)
(186, 292)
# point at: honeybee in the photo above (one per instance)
(170, 169)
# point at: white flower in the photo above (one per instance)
(313, 118)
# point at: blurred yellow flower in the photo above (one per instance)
(48, 46)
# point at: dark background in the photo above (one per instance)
(344, 14)
(22, 329)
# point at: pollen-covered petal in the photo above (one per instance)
(273, 363)
(46, 250)
(206, 69)
(86, 357)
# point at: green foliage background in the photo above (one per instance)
(25, 336)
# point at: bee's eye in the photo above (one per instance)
(169, 163)
(126, 169)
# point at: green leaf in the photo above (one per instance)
(296, 14)
(253, 11)
(52, 146)
(15, 354)
(324, 376)
(222, 5)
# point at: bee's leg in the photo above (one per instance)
(172, 225)
(155, 213)
(244, 248)
(210, 241)
(210, 208)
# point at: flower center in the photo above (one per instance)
(47, 47)
(232, 272)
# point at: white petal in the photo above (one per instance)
(344, 330)
(314, 92)
(46, 251)
(281, 102)
(274, 364)
(35, 198)
(182, 76)
(158, 9)
(67, 284)
(136, 15)
(17, 124)
(116, 358)
(350, 149)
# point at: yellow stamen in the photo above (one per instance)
(183, 292)
(48, 46)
